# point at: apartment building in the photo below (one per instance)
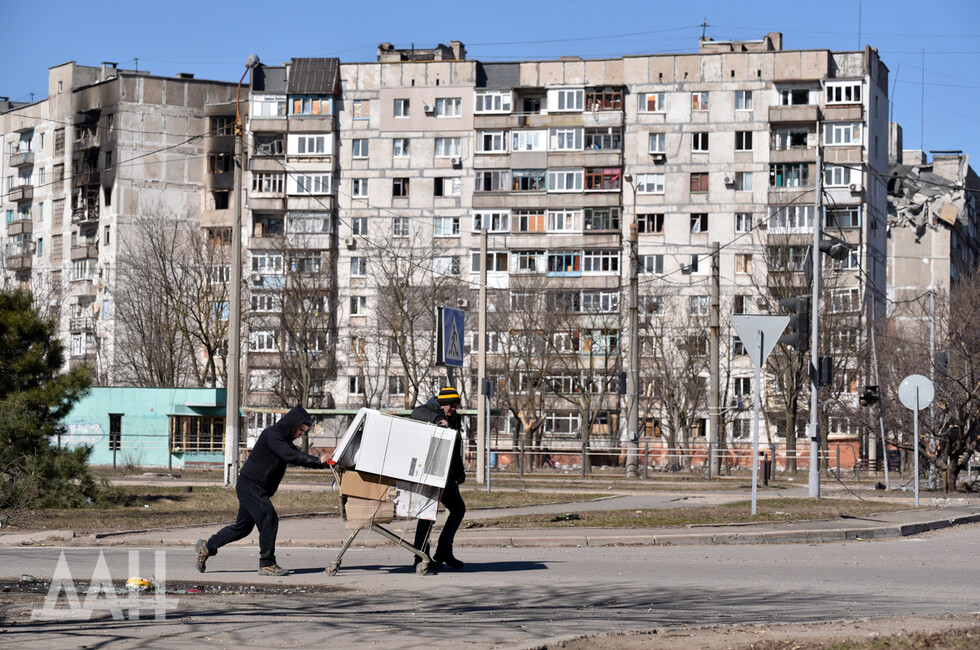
(106, 147)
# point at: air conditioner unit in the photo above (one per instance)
(427, 108)
(462, 303)
(350, 242)
(729, 180)
(658, 157)
(454, 161)
(854, 187)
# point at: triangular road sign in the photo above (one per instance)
(748, 328)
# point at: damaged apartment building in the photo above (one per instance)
(933, 230)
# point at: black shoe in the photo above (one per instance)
(448, 560)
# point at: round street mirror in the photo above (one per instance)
(912, 386)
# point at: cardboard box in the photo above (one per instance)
(415, 501)
(367, 486)
(361, 513)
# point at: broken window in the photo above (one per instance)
(399, 187)
(605, 178)
(790, 139)
(699, 100)
(794, 97)
(492, 221)
(222, 125)
(450, 186)
(604, 138)
(652, 103)
(491, 142)
(268, 145)
(601, 218)
(604, 99)
(789, 175)
(527, 180)
(650, 223)
(219, 163)
(699, 222)
(492, 180)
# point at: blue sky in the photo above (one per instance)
(213, 39)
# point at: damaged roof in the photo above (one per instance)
(917, 196)
(313, 76)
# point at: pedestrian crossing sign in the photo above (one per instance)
(449, 337)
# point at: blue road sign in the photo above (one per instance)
(449, 346)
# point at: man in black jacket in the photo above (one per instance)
(441, 411)
(258, 480)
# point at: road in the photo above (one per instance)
(510, 597)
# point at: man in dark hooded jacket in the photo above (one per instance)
(441, 411)
(258, 480)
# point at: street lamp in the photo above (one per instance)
(233, 386)
(633, 422)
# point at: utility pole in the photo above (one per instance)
(715, 434)
(482, 415)
(633, 425)
(815, 256)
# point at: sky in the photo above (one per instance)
(931, 47)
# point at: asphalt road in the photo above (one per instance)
(507, 597)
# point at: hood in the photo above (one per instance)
(291, 421)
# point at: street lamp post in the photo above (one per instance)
(233, 386)
(633, 422)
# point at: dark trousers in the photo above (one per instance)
(254, 509)
(453, 502)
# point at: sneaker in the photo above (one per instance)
(448, 560)
(273, 570)
(202, 554)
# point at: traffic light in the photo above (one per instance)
(826, 374)
(621, 383)
(799, 322)
(868, 395)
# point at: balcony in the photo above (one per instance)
(793, 155)
(90, 177)
(85, 214)
(81, 324)
(20, 227)
(19, 262)
(21, 193)
(21, 159)
(807, 113)
(86, 140)
(85, 250)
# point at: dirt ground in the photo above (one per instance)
(903, 632)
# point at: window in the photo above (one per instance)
(445, 227)
(699, 101)
(789, 175)
(842, 133)
(565, 180)
(308, 263)
(491, 142)
(529, 140)
(358, 305)
(267, 183)
(219, 163)
(699, 142)
(312, 183)
(604, 99)
(603, 139)
(743, 141)
(651, 305)
(743, 181)
(790, 139)
(564, 221)
(191, 433)
(268, 106)
(794, 97)
(738, 348)
(448, 106)
(358, 267)
(658, 143)
(450, 186)
(836, 176)
(650, 223)
(653, 264)
(566, 100)
(846, 92)
(741, 304)
(602, 179)
(359, 226)
(359, 188)
(650, 183)
(266, 302)
(565, 139)
(743, 222)
(527, 180)
(603, 302)
(843, 218)
(267, 263)
(784, 218)
(310, 106)
(743, 100)
(396, 385)
(698, 305)
(743, 263)
(263, 341)
(845, 300)
(699, 182)
(742, 386)
(652, 103)
(699, 222)
(565, 263)
(564, 301)
(492, 180)
(361, 109)
(448, 147)
(360, 147)
(529, 221)
(529, 261)
(399, 227)
(355, 385)
(492, 101)
(399, 187)
(600, 261)
(786, 258)
(399, 147)
(496, 261)
(492, 221)
(602, 218)
(446, 265)
(401, 107)
(268, 145)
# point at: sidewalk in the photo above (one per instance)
(330, 532)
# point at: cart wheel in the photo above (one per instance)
(422, 567)
(332, 569)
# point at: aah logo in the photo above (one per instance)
(101, 594)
